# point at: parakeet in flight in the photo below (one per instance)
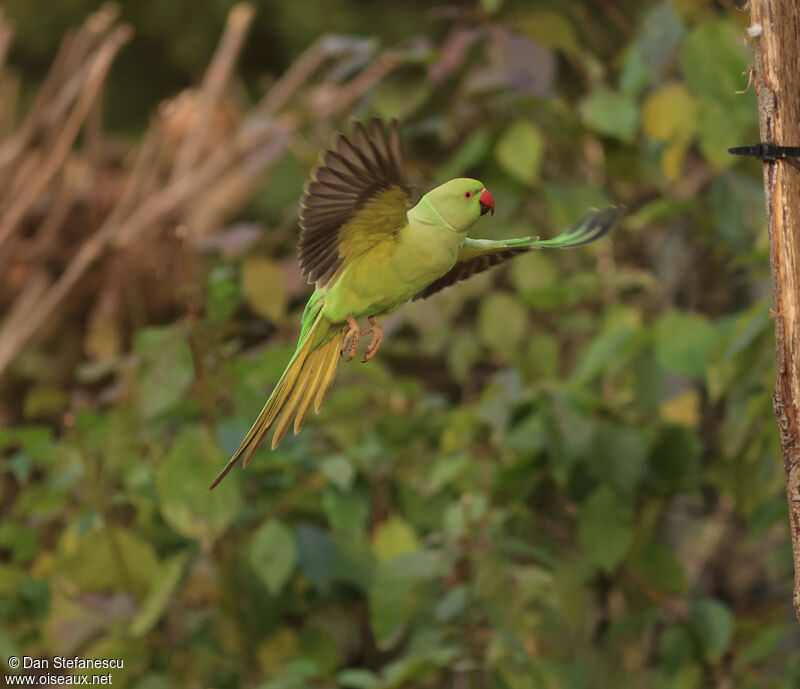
(368, 252)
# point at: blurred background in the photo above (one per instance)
(563, 473)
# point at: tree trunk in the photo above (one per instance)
(777, 78)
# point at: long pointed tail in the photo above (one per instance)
(307, 379)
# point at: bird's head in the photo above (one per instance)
(460, 202)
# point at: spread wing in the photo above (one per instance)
(356, 198)
(477, 255)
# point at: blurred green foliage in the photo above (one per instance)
(561, 474)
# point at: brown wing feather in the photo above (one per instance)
(354, 173)
(466, 269)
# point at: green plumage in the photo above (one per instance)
(369, 253)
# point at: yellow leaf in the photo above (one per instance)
(10, 579)
(672, 159)
(277, 650)
(394, 537)
(669, 114)
(550, 30)
(103, 338)
(683, 409)
(42, 401)
(264, 287)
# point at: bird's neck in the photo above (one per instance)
(425, 213)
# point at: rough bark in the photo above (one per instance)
(777, 78)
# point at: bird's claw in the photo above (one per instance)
(352, 337)
(375, 343)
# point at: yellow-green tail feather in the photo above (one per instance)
(307, 378)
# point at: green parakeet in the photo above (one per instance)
(368, 252)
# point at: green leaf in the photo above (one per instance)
(620, 456)
(166, 370)
(502, 322)
(224, 296)
(316, 554)
(656, 565)
(162, 589)
(737, 203)
(675, 457)
(570, 432)
(528, 434)
(763, 645)
(636, 73)
(153, 681)
(357, 678)
(740, 347)
(542, 357)
(722, 125)
(714, 59)
(286, 176)
(264, 287)
(460, 516)
(492, 6)
(8, 648)
(106, 558)
(36, 594)
(533, 270)
(604, 528)
(569, 201)
(318, 647)
(678, 648)
(397, 592)
(452, 604)
(469, 155)
(685, 342)
(21, 543)
(182, 482)
(660, 32)
(713, 624)
(607, 346)
(415, 667)
(400, 97)
(658, 210)
(339, 471)
(392, 538)
(273, 555)
(766, 515)
(347, 514)
(614, 114)
(658, 35)
(519, 151)
(463, 352)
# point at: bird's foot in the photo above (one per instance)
(375, 343)
(352, 336)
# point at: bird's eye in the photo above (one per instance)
(467, 194)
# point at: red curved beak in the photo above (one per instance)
(486, 201)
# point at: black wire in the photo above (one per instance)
(766, 152)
